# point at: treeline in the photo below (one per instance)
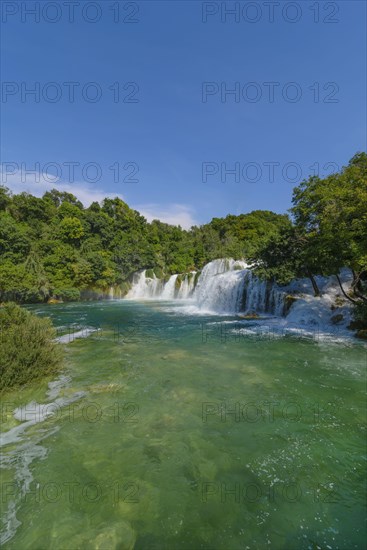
(54, 247)
(329, 232)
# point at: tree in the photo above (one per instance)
(71, 229)
(331, 217)
(56, 246)
(5, 198)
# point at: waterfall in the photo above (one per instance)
(168, 292)
(220, 286)
(224, 286)
(187, 286)
(276, 301)
(229, 286)
(255, 293)
(144, 287)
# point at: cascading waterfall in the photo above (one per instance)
(168, 292)
(220, 286)
(262, 297)
(187, 286)
(224, 286)
(144, 287)
(276, 302)
(229, 286)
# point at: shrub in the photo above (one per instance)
(360, 316)
(71, 294)
(27, 347)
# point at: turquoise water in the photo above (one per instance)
(176, 431)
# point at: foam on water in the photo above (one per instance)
(187, 286)
(57, 385)
(168, 292)
(19, 449)
(145, 288)
(224, 286)
(227, 287)
(71, 336)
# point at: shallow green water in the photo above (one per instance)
(185, 439)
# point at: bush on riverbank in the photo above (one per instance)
(360, 316)
(27, 347)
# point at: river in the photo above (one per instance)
(173, 430)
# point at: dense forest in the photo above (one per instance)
(54, 247)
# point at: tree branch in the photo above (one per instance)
(343, 291)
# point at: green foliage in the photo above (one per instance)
(18, 284)
(67, 294)
(331, 215)
(360, 314)
(71, 229)
(54, 247)
(15, 240)
(5, 197)
(329, 231)
(28, 350)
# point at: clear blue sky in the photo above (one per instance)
(170, 132)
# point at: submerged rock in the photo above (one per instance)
(335, 319)
(288, 302)
(54, 301)
(357, 325)
(362, 334)
(250, 316)
(120, 536)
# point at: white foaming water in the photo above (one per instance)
(229, 286)
(220, 286)
(28, 448)
(187, 286)
(71, 336)
(20, 459)
(144, 288)
(277, 301)
(34, 413)
(309, 310)
(168, 292)
(55, 386)
(255, 293)
(226, 286)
